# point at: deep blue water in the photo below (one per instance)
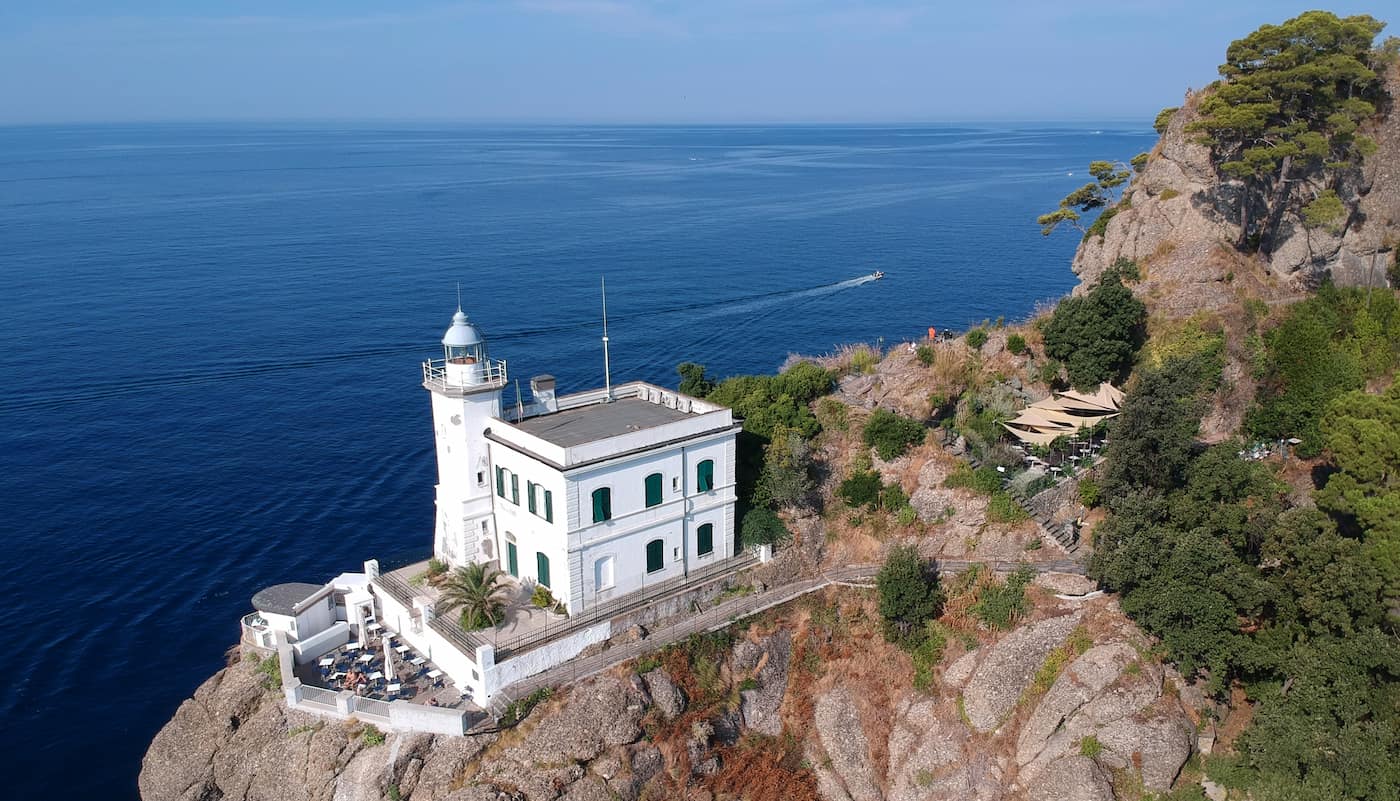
(211, 338)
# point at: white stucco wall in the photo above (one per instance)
(532, 533)
(459, 667)
(462, 501)
(538, 660)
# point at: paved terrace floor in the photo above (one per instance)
(523, 619)
(416, 685)
(721, 615)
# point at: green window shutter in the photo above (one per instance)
(501, 481)
(705, 476)
(530, 495)
(515, 489)
(542, 568)
(655, 555)
(602, 504)
(705, 539)
(512, 560)
(548, 506)
(653, 490)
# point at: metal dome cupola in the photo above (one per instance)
(463, 342)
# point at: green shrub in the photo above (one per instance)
(909, 595)
(892, 434)
(925, 354)
(976, 338)
(984, 479)
(1090, 746)
(1164, 118)
(1168, 194)
(1016, 344)
(371, 735)
(927, 654)
(894, 498)
(271, 670)
(1089, 492)
(907, 515)
(542, 597)
(1049, 373)
(518, 709)
(861, 489)
(1002, 508)
(763, 527)
(1127, 269)
(436, 567)
(832, 414)
(1002, 603)
(1100, 225)
(1139, 162)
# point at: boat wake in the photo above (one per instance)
(231, 371)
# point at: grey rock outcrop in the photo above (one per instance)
(668, 698)
(1008, 668)
(760, 706)
(1073, 778)
(846, 745)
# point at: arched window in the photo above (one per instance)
(656, 555)
(603, 570)
(602, 504)
(542, 569)
(653, 490)
(705, 539)
(705, 476)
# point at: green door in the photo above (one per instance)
(705, 539)
(542, 568)
(656, 557)
(512, 560)
(705, 476)
(654, 490)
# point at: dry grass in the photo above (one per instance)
(759, 768)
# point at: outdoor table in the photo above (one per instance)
(394, 688)
(403, 649)
(366, 658)
(375, 676)
(374, 627)
(417, 660)
(352, 646)
(328, 661)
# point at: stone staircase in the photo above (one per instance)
(1063, 533)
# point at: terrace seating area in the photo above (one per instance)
(401, 674)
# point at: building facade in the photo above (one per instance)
(593, 495)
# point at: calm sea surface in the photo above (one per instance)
(209, 379)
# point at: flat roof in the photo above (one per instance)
(281, 599)
(597, 421)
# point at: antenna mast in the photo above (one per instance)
(607, 367)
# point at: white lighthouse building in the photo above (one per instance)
(593, 495)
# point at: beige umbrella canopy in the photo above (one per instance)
(1044, 421)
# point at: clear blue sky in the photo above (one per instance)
(615, 60)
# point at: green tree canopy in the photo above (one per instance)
(1098, 193)
(1098, 334)
(1289, 103)
(892, 434)
(909, 593)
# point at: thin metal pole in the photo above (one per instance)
(607, 367)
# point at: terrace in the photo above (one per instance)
(384, 669)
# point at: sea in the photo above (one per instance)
(211, 337)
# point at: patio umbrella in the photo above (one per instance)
(388, 660)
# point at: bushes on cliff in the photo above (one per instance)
(891, 434)
(1097, 335)
(909, 595)
(1327, 345)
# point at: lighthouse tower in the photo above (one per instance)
(465, 386)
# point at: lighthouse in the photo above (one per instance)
(465, 386)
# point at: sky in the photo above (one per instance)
(615, 61)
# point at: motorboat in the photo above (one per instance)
(877, 275)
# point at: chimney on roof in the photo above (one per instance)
(542, 389)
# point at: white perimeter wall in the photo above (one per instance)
(538, 660)
(458, 666)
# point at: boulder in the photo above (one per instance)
(1008, 668)
(1072, 778)
(848, 749)
(1158, 746)
(665, 695)
(759, 707)
(1066, 583)
(1083, 680)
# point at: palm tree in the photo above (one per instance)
(477, 589)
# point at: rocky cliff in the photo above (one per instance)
(806, 702)
(1179, 220)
